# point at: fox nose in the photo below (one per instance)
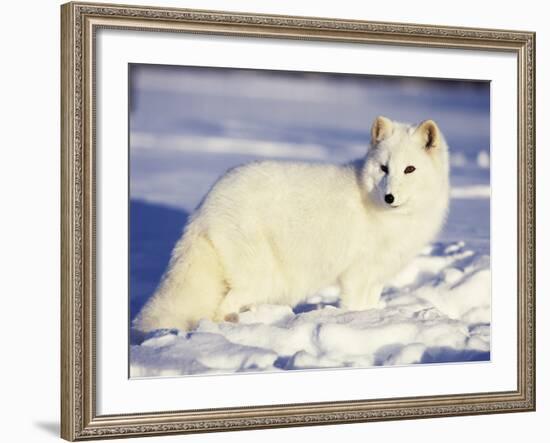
(388, 198)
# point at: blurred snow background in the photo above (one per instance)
(189, 125)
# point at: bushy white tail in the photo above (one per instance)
(191, 289)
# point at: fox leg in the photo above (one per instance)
(357, 292)
(372, 297)
(360, 299)
(234, 302)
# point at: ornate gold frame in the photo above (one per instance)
(79, 22)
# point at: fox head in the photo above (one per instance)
(407, 166)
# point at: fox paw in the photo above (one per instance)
(232, 318)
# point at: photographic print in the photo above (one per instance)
(304, 220)
(251, 202)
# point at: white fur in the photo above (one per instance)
(277, 232)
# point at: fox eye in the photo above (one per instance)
(409, 169)
(384, 169)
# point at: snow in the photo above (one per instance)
(188, 126)
(438, 307)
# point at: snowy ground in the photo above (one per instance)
(186, 130)
(437, 310)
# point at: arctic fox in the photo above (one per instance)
(277, 232)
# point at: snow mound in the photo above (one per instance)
(436, 310)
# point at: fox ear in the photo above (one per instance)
(381, 128)
(430, 134)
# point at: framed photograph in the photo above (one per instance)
(283, 221)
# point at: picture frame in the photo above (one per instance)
(80, 239)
